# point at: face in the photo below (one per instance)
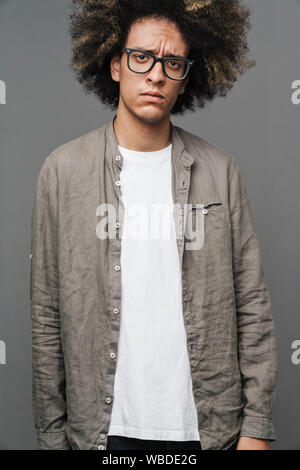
(162, 38)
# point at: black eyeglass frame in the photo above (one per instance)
(189, 62)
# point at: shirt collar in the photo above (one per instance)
(178, 147)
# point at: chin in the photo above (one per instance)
(149, 117)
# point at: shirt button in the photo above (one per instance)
(112, 355)
(118, 158)
(108, 400)
(204, 211)
(102, 436)
(117, 268)
(101, 447)
(118, 224)
(118, 183)
(30, 255)
(116, 311)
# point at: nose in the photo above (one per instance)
(157, 72)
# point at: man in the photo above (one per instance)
(143, 341)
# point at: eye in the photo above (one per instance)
(173, 63)
(138, 57)
(176, 64)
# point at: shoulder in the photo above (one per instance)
(75, 151)
(72, 158)
(217, 158)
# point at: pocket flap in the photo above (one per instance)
(208, 204)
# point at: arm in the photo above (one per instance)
(255, 326)
(48, 381)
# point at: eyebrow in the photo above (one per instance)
(153, 52)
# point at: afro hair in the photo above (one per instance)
(215, 30)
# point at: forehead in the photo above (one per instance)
(155, 34)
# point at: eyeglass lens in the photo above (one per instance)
(142, 62)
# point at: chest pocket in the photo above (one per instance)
(200, 219)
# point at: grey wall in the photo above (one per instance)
(257, 123)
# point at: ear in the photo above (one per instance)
(183, 85)
(115, 66)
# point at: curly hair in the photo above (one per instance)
(215, 30)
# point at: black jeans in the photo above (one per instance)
(132, 443)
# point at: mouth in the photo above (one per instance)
(152, 98)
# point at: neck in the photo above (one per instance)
(134, 134)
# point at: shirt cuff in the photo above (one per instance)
(53, 441)
(258, 427)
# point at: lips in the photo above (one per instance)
(152, 94)
(152, 97)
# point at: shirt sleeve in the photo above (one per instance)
(48, 368)
(255, 326)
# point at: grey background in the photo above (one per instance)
(46, 107)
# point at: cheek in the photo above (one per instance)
(174, 93)
(129, 87)
(128, 81)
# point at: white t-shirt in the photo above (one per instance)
(153, 396)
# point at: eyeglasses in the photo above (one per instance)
(175, 68)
